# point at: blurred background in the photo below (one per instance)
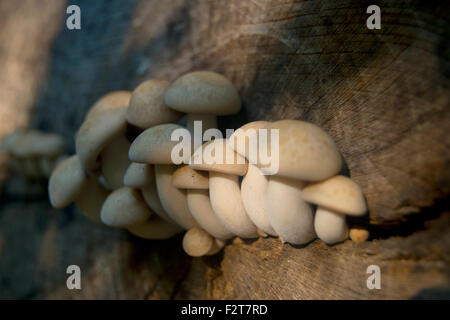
(382, 94)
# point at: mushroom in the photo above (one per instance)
(339, 194)
(197, 242)
(147, 107)
(124, 207)
(68, 183)
(203, 95)
(154, 145)
(111, 100)
(330, 226)
(254, 191)
(150, 194)
(139, 175)
(197, 185)
(306, 152)
(290, 216)
(97, 131)
(224, 192)
(155, 228)
(114, 161)
(241, 139)
(359, 234)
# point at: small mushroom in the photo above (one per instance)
(155, 229)
(115, 162)
(224, 191)
(147, 107)
(197, 185)
(66, 182)
(306, 152)
(139, 175)
(111, 100)
(359, 234)
(203, 92)
(330, 226)
(254, 192)
(124, 207)
(339, 194)
(290, 216)
(197, 242)
(154, 145)
(97, 131)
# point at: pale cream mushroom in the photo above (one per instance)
(111, 100)
(359, 234)
(124, 207)
(290, 216)
(97, 132)
(339, 194)
(150, 194)
(139, 175)
(306, 152)
(224, 191)
(66, 182)
(154, 145)
(155, 228)
(147, 107)
(199, 204)
(254, 192)
(114, 161)
(23, 150)
(197, 242)
(203, 95)
(330, 226)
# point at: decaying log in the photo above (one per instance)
(383, 95)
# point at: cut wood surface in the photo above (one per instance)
(383, 95)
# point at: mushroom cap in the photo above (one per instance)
(114, 161)
(241, 138)
(340, 194)
(203, 92)
(154, 145)
(35, 143)
(290, 216)
(66, 182)
(306, 152)
(197, 242)
(139, 175)
(124, 207)
(155, 228)
(359, 234)
(111, 100)
(330, 226)
(230, 162)
(147, 107)
(9, 141)
(187, 178)
(96, 133)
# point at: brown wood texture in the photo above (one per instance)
(383, 95)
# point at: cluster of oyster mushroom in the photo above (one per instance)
(123, 173)
(33, 154)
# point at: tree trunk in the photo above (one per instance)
(383, 95)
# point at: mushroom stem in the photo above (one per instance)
(330, 226)
(254, 190)
(115, 162)
(150, 194)
(290, 216)
(173, 200)
(200, 207)
(208, 121)
(226, 202)
(197, 242)
(90, 200)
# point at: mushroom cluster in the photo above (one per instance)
(123, 173)
(33, 154)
